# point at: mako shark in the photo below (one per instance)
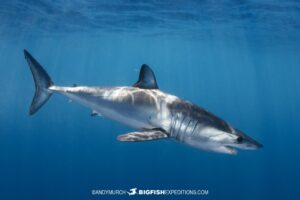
(154, 114)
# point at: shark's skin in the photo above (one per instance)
(149, 109)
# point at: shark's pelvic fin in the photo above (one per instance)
(42, 82)
(145, 135)
(146, 79)
(95, 113)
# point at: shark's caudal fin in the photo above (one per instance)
(42, 82)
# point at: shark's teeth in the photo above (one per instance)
(231, 150)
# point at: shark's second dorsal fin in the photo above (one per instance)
(147, 78)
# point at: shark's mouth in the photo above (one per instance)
(231, 150)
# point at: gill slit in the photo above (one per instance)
(179, 129)
(173, 125)
(187, 126)
(196, 124)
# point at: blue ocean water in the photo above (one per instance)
(238, 59)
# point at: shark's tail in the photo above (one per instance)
(42, 82)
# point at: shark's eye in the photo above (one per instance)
(239, 139)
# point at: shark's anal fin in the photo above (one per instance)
(95, 113)
(144, 135)
(147, 78)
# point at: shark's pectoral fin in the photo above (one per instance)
(147, 78)
(145, 135)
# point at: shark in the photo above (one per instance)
(152, 113)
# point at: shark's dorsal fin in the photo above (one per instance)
(146, 79)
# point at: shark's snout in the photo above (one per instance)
(255, 145)
(245, 142)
